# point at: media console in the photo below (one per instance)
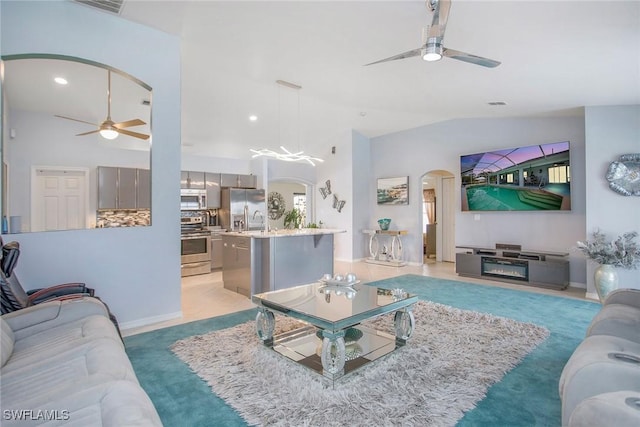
(509, 263)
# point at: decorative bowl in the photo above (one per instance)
(384, 223)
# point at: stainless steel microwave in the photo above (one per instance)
(193, 200)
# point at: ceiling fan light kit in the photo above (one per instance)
(108, 129)
(108, 133)
(433, 49)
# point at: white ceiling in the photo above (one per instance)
(557, 56)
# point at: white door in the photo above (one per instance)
(447, 220)
(59, 199)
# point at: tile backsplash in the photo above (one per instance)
(123, 218)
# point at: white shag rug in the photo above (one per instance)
(443, 371)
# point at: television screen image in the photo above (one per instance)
(530, 178)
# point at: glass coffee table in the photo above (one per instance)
(332, 339)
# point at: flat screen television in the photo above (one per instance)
(530, 178)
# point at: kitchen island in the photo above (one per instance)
(260, 261)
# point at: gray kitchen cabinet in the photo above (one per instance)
(247, 181)
(212, 184)
(216, 251)
(228, 180)
(127, 188)
(107, 187)
(143, 189)
(236, 264)
(123, 188)
(238, 181)
(192, 179)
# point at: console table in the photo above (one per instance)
(391, 256)
(509, 263)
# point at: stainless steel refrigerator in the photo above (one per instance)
(242, 209)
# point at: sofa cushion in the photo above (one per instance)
(68, 336)
(620, 409)
(600, 364)
(111, 404)
(43, 317)
(6, 341)
(95, 362)
(626, 296)
(618, 320)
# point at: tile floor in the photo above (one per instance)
(204, 296)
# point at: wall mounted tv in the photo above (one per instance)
(531, 178)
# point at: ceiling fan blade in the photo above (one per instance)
(129, 123)
(88, 133)
(472, 59)
(134, 134)
(440, 18)
(75, 120)
(409, 54)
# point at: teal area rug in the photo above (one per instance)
(526, 396)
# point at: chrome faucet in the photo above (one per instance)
(257, 212)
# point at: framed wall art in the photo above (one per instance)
(393, 191)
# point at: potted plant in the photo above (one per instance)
(293, 218)
(623, 252)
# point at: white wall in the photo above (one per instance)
(135, 270)
(337, 168)
(215, 164)
(610, 132)
(361, 196)
(439, 147)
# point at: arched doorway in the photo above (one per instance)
(437, 213)
(291, 193)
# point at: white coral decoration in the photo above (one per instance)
(623, 252)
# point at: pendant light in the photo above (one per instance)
(287, 155)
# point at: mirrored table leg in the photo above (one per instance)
(333, 353)
(265, 325)
(404, 323)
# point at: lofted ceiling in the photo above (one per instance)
(557, 56)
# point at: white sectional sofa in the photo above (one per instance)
(600, 384)
(64, 363)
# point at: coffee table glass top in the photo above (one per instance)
(336, 307)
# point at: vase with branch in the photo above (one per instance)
(623, 252)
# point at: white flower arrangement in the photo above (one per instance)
(623, 252)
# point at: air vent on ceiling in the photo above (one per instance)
(112, 6)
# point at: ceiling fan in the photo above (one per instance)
(108, 129)
(432, 48)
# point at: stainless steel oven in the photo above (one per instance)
(195, 252)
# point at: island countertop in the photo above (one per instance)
(262, 261)
(261, 234)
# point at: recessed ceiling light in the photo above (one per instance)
(60, 80)
(494, 103)
(363, 113)
(253, 118)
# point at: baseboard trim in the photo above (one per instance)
(348, 261)
(150, 320)
(578, 285)
(592, 295)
